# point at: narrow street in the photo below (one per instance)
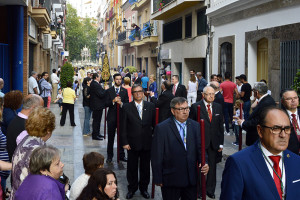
(73, 146)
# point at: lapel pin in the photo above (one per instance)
(288, 155)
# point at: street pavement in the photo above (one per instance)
(73, 146)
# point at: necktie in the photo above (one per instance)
(182, 133)
(209, 112)
(139, 108)
(174, 89)
(117, 90)
(276, 167)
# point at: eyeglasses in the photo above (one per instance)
(291, 99)
(277, 129)
(182, 109)
(140, 91)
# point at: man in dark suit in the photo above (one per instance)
(164, 100)
(265, 170)
(115, 95)
(178, 90)
(260, 90)
(212, 115)
(290, 103)
(138, 124)
(97, 104)
(218, 95)
(176, 148)
(137, 79)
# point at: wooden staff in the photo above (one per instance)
(240, 130)
(203, 181)
(105, 123)
(147, 90)
(156, 122)
(118, 131)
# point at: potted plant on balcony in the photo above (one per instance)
(148, 29)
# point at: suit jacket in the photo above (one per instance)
(250, 124)
(219, 99)
(137, 80)
(138, 132)
(180, 91)
(246, 176)
(294, 144)
(214, 130)
(111, 94)
(172, 164)
(163, 103)
(97, 98)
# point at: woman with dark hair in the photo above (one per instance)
(86, 105)
(68, 104)
(102, 185)
(12, 102)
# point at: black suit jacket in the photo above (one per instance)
(250, 124)
(137, 80)
(172, 164)
(163, 103)
(138, 132)
(294, 144)
(97, 98)
(219, 99)
(180, 91)
(214, 130)
(111, 95)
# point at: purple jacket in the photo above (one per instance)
(40, 187)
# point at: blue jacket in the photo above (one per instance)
(8, 116)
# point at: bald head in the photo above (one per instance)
(1, 83)
(31, 101)
(215, 85)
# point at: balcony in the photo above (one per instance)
(164, 9)
(147, 35)
(123, 38)
(41, 16)
(136, 4)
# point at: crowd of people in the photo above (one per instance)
(172, 147)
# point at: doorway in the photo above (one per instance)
(262, 59)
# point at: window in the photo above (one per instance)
(172, 30)
(188, 26)
(201, 22)
(226, 58)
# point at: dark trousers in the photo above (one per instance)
(228, 114)
(97, 115)
(211, 179)
(66, 107)
(112, 125)
(246, 109)
(133, 170)
(45, 99)
(173, 193)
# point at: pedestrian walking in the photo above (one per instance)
(201, 85)
(45, 88)
(86, 105)
(192, 90)
(33, 87)
(55, 82)
(236, 116)
(59, 99)
(145, 81)
(153, 85)
(69, 98)
(178, 90)
(246, 93)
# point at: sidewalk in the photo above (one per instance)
(73, 146)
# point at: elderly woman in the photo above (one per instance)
(12, 102)
(39, 125)
(68, 104)
(91, 162)
(42, 183)
(101, 186)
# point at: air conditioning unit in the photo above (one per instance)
(47, 43)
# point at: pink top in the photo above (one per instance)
(21, 136)
(129, 93)
(228, 90)
(22, 115)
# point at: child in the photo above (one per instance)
(75, 87)
(236, 113)
(59, 99)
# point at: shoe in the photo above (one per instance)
(129, 195)
(108, 160)
(212, 196)
(235, 143)
(124, 159)
(73, 124)
(97, 138)
(227, 133)
(145, 194)
(61, 124)
(102, 136)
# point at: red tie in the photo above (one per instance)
(295, 125)
(174, 89)
(277, 181)
(209, 112)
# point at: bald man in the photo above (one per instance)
(17, 125)
(218, 95)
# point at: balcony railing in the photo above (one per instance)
(135, 34)
(131, 2)
(158, 5)
(149, 29)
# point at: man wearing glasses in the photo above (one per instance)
(212, 115)
(290, 103)
(176, 148)
(138, 124)
(265, 170)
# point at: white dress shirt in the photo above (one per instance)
(297, 117)
(141, 104)
(54, 78)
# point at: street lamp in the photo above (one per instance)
(124, 22)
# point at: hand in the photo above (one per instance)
(106, 87)
(151, 94)
(221, 149)
(240, 121)
(115, 99)
(126, 147)
(204, 169)
(159, 184)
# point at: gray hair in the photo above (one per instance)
(31, 102)
(177, 100)
(206, 87)
(33, 73)
(135, 86)
(41, 158)
(215, 85)
(260, 87)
